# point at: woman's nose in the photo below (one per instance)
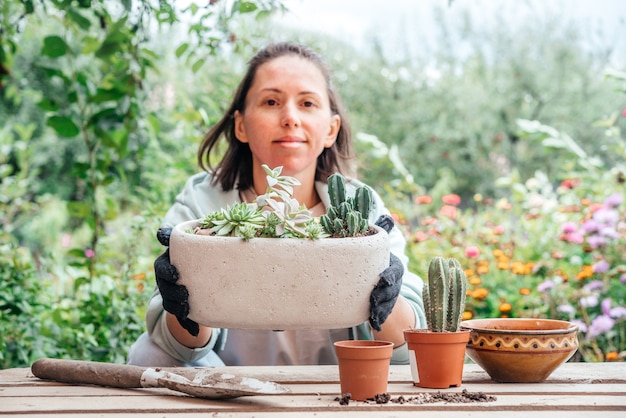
(290, 117)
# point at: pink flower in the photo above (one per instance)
(573, 237)
(451, 199)
(423, 200)
(569, 227)
(545, 286)
(472, 251)
(594, 285)
(601, 266)
(613, 201)
(498, 230)
(606, 306)
(448, 211)
(618, 312)
(566, 309)
(89, 253)
(589, 301)
(570, 183)
(600, 325)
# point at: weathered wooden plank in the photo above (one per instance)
(373, 413)
(569, 372)
(331, 389)
(178, 404)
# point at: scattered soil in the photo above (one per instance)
(426, 397)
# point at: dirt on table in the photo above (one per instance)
(425, 397)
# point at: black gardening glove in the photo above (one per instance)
(175, 296)
(383, 297)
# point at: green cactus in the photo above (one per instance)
(444, 294)
(363, 201)
(347, 216)
(336, 190)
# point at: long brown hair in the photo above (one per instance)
(236, 165)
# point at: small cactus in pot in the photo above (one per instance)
(437, 353)
(444, 294)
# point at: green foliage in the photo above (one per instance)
(444, 294)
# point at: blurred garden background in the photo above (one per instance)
(500, 144)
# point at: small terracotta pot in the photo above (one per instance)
(363, 367)
(439, 356)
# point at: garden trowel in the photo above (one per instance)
(199, 382)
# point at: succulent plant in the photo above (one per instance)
(346, 216)
(274, 214)
(444, 294)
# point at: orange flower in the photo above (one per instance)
(139, 276)
(467, 315)
(475, 281)
(612, 356)
(505, 308)
(517, 267)
(482, 267)
(524, 291)
(503, 264)
(497, 253)
(423, 200)
(480, 293)
(469, 272)
(429, 221)
(419, 236)
(451, 199)
(585, 272)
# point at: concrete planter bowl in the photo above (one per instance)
(278, 283)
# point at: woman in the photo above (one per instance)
(284, 113)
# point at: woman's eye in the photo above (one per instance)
(308, 103)
(271, 102)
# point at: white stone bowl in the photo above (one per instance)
(278, 283)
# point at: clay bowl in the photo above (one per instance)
(278, 283)
(520, 350)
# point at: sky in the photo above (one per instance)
(356, 20)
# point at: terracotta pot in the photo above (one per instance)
(520, 350)
(363, 367)
(439, 356)
(278, 283)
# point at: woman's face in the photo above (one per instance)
(287, 120)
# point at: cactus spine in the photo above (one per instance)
(444, 294)
(347, 216)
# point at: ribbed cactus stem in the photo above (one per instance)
(336, 189)
(363, 201)
(444, 294)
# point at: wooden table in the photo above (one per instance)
(575, 389)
